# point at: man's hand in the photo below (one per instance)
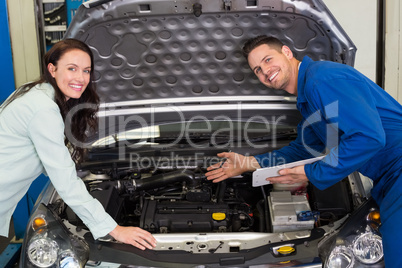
(290, 176)
(134, 236)
(233, 164)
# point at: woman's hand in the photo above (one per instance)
(134, 236)
(290, 176)
(232, 165)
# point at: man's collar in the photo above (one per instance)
(301, 79)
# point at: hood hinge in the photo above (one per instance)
(227, 4)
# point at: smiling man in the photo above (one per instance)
(274, 65)
(345, 114)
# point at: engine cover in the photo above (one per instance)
(184, 216)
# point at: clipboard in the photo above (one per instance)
(260, 175)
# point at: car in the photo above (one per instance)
(176, 90)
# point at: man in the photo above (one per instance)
(344, 114)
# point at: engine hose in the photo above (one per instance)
(129, 186)
(221, 192)
(164, 179)
(260, 209)
(266, 209)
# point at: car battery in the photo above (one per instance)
(284, 208)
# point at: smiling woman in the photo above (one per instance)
(72, 73)
(62, 64)
(33, 141)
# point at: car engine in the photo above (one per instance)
(184, 201)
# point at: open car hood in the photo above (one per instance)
(172, 60)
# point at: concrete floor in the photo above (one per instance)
(5, 241)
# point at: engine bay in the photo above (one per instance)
(184, 201)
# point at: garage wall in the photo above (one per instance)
(362, 31)
(7, 71)
(359, 20)
(24, 42)
(393, 55)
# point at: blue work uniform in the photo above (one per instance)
(359, 126)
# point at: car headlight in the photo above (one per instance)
(68, 260)
(367, 248)
(48, 243)
(357, 243)
(341, 257)
(42, 251)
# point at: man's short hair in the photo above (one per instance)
(254, 42)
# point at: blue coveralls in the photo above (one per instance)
(359, 125)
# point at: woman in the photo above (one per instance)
(33, 140)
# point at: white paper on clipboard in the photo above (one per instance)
(260, 175)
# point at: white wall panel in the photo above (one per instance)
(393, 55)
(359, 20)
(24, 42)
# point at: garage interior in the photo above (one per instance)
(28, 31)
